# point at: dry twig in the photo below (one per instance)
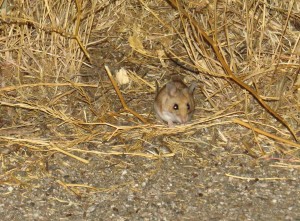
(126, 108)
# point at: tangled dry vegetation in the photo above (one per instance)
(56, 96)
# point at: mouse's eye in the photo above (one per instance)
(188, 106)
(175, 107)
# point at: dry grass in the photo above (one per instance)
(245, 58)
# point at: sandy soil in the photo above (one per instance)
(203, 187)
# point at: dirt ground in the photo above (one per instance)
(175, 188)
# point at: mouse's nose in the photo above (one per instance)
(183, 119)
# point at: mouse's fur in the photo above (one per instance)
(174, 102)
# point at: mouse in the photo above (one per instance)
(174, 102)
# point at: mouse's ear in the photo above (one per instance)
(171, 88)
(192, 87)
(157, 86)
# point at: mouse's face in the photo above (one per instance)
(179, 106)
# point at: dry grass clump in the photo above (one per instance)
(245, 57)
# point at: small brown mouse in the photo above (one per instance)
(174, 102)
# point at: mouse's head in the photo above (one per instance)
(179, 104)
